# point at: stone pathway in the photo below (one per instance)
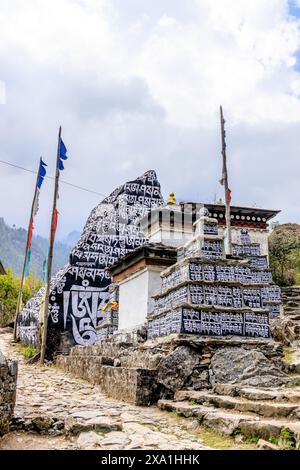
(53, 403)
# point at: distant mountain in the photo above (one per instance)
(72, 238)
(12, 246)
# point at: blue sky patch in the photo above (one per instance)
(297, 65)
(294, 9)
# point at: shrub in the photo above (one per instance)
(9, 291)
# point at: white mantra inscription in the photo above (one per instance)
(85, 303)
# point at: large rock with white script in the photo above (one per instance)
(81, 289)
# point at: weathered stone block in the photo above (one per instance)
(176, 368)
(136, 386)
(8, 383)
(252, 368)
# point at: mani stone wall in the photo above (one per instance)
(130, 368)
(28, 330)
(81, 289)
(8, 384)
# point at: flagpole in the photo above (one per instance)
(226, 187)
(50, 256)
(20, 295)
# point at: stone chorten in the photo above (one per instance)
(205, 293)
(168, 225)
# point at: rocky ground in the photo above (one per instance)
(54, 410)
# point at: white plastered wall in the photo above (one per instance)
(135, 296)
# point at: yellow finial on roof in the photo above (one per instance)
(172, 199)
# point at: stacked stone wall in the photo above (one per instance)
(8, 383)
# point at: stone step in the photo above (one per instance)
(294, 316)
(85, 351)
(290, 291)
(231, 423)
(264, 408)
(290, 394)
(288, 298)
(285, 395)
(294, 380)
(292, 298)
(75, 423)
(289, 310)
(291, 304)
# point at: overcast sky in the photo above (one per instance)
(136, 85)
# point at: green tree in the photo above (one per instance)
(9, 290)
(284, 247)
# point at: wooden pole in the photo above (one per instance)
(20, 295)
(50, 257)
(225, 183)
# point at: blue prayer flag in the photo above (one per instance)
(41, 177)
(60, 165)
(63, 150)
(42, 174)
(62, 155)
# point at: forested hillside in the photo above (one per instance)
(12, 246)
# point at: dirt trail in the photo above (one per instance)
(46, 393)
(53, 402)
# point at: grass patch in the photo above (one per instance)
(295, 382)
(236, 432)
(247, 440)
(216, 441)
(219, 442)
(288, 355)
(285, 433)
(175, 414)
(27, 351)
(212, 438)
(297, 277)
(273, 440)
(252, 440)
(287, 439)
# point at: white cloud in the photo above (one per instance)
(2, 92)
(138, 85)
(240, 53)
